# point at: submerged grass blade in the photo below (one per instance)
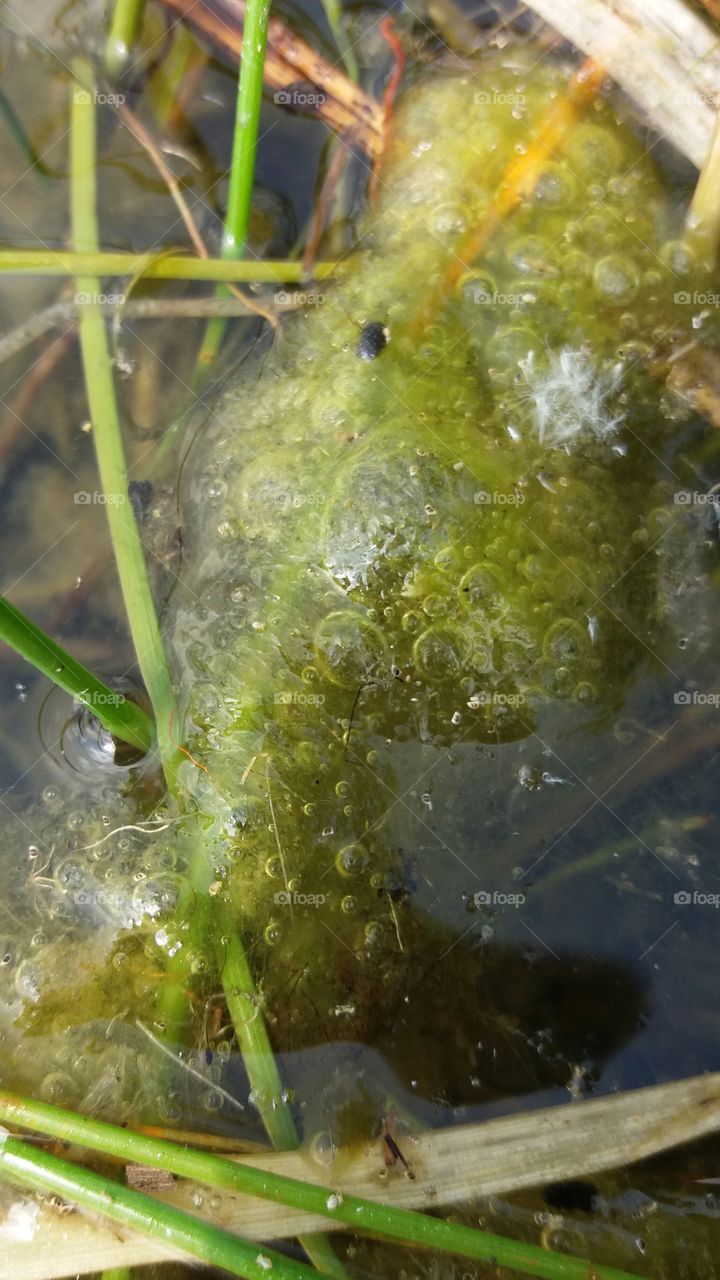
(127, 547)
(361, 1214)
(22, 1165)
(122, 718)
(17, 131)
(154, 266)
(254, 1042)
(245, 1009)
(247, 121)
(336, 22)
(242, 169)
(262, 1070)
(124, 30)
(242, 997)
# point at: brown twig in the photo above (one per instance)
(712, 7)
(335, 171)
(13, 419)
(391, 38)
(146, 140)
(518, 182)
(289, 62)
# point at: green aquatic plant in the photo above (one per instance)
(365, 1215)
(127, 548)
(409, 554)
(404, 542)
(26, 1167)
(422, 550)
(121, 717)
(124, 30)
(155, 266)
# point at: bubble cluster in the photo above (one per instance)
(417, 551)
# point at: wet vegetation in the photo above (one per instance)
(405, 562)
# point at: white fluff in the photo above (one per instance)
(570, 398)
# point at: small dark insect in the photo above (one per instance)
(571, 1194)
(140, 493)
(373, 339)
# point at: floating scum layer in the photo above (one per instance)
(387, 559)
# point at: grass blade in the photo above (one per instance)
(242, 170)
(156, 266)
(360, 1214)
(122, 718)
(247, 120)
(124, 30)
(22, 1164)
(127, 547)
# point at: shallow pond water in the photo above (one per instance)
(442, 624)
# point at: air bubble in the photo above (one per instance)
(352, 860)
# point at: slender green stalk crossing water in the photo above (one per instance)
(122, 718)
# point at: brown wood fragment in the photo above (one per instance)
(291, 62)
(695, 376)
(142, 1178)
(712, 7)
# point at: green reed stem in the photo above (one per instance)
(242, 169)
(194, 910)
(124, 31)
(131, 563)
(245, 1010)
(107, 435)
(363, 1215)
(22, 1164)
(247, 122)
(17, 131)
(253, 1039)
(237, 979)
(152, 266)
(122, 718)
(609, 853)
(336, 23)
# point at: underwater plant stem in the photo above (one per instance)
(242, 166)
(363, 1215)
(122, 718)
(607, 852)
(22, 1164)
(245, 1009)
(247, 121)
(156, 266)
(17, 131)
(336, 23)
(253, 1040)
(124, 30)
(107, 435)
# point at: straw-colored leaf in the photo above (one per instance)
(452, 1166)
(663, 54)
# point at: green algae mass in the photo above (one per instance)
(392, 567)
(389, 559)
